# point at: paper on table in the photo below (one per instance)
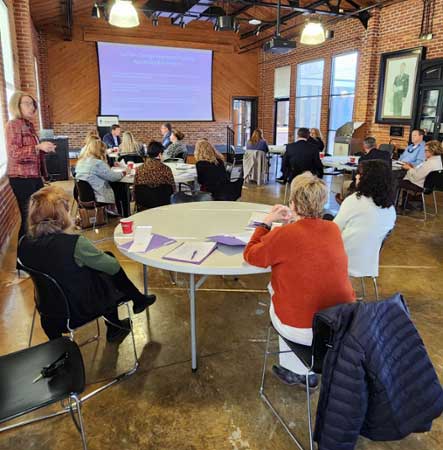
(257, 217)
(191, 252)
(232, 239)
(142, 238)
(157, 241)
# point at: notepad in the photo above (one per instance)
(142, 239)
(157, 241)
(191, 252)
(256, 218)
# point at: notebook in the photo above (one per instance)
(191, 252)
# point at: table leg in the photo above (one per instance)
(193, 322)
(145, 279)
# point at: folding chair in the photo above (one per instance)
(151, 197)
(312, 358)
(20, 395)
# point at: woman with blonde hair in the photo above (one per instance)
(93, 281)
(129, 145)
(303, 250)
(257, 142)
(26, 154)
(211, 171)
(90, 136)
(316, 138)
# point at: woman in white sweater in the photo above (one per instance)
(366, 217)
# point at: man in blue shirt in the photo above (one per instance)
(414, 153)
(113, 139)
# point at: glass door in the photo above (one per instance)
(431, 113)
(281, 121)
(244, 119)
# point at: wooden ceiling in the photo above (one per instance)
(53, 13)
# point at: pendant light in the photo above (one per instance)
(123, 14)
(313, 33)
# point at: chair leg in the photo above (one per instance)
(435, 202)
(374, 280)
(308, 406)
(93, 338)
(286, 193)
(424, 205)
(363, 288)
(81, 428)
(173, 277)
(32, 326)
(262, 386)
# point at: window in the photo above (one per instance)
(8, 67)
(308, 94)
(37, 85)
(341, 99)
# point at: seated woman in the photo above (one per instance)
(93, 281)
(316, 138)
(92, 167)
(89, 137)
(153, 172)
(416, 176)
(129, 145)
(211, 171)
(257, 141)
(177, 148)
(366, 217)
(309, 269)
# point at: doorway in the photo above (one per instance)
(244, 115)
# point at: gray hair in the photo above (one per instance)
(370, 142)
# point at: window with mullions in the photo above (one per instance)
(341, 97)
(8, 73)
(308, 94)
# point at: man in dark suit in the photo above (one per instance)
(300, 156)
(370, 151)
(113, 139)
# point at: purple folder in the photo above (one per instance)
(227, 240)
(157, 241)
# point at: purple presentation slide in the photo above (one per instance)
(142, 82)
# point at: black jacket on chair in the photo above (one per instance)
(302, 156)
(378, 380)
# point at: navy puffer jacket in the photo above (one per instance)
(377, 379)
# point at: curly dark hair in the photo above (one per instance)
(376, 182)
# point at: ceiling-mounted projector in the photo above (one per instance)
(279, 45)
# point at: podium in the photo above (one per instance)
(57, 163)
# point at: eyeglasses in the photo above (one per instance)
(27, 103)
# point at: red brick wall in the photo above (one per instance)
(391, 28)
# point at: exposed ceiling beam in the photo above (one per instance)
(66, 6)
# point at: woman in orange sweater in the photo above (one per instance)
(309, 269)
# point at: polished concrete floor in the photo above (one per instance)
(166, 406)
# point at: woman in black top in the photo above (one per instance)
(211, 171)
(316, 139)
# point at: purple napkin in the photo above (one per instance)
(157, 241)
(227, 240)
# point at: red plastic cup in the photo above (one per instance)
(116, 164)
(352, 159)
(127, 226)
(130, 165)
(322, 155)
(115, 149)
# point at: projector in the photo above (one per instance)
(279, 45)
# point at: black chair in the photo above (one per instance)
(151, 197)
(21, 396)
(134, 157)
(433, 184)
(312, 358)
(85, 197)
(387, 148)
(188, 197)
(52, 304)
(232, 191)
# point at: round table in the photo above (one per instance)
(196, 221)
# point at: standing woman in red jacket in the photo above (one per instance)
(309, 269)
(26, 155)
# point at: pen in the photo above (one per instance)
(193, 254)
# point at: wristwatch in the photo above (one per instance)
(264, 225)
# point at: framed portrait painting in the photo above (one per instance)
(398, 85)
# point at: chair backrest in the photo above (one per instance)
(49, 297)
(86, 194)
(151, 197)
(322, 340)
(185, 197)
(387, 148)
(232, 191)
(434, 181)
(134, 157)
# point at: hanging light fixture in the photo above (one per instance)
(254, 22)
(95, 13)
(313, 33)
(123, 14)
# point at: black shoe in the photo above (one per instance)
(145, 301)
(293, 379)
(280, 180)
(117, 334)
